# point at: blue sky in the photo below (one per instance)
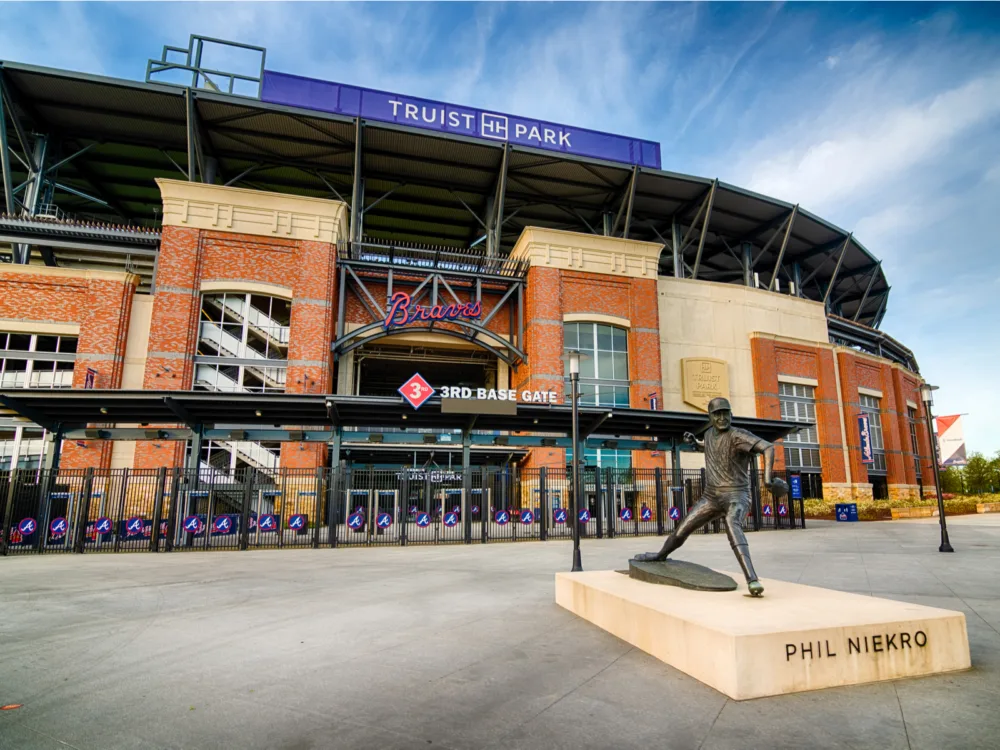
(882, 118)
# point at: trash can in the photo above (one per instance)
(847, 511)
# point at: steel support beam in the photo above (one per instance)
(675, 241)
(193, 155)
(704, 229)
(626, 205)
(495, 215)
(358, 190)
(836, 270)
(746, 251)
(868, 289)
(784, 246)
(8, 183)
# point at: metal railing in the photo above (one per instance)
(170, 509)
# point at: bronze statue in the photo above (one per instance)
(729, 452)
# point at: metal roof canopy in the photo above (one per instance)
(59, 410)
(442, 186)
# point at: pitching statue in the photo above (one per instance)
(728, 454)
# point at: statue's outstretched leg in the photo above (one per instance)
(703, 512)
(737, 540)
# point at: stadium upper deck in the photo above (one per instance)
(92, 146)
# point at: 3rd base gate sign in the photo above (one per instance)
(416, 390)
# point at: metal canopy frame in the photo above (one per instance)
(424, 188)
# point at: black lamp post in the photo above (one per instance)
(926, 395)
(574, 379)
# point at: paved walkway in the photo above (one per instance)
(454, 647)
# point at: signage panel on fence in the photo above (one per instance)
(193, 525)
(865, 433)
(355, 520)
(646, 514)
(674, 513)
(584, 516)
(501, 517)
(795, 486)
(268, 522)
(450, 519)
(423, 520)
(427, 114)
(58, 527)
(27, 526)
(527, 516)
(767, 510)
(559, 515)
(782, 510)
(103, 525)
(133, 526)
(625, 514)
(297, 522)
(383, 520)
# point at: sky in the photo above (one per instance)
(881, 118)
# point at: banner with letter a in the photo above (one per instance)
(951, 441)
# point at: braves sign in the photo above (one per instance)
(402, 311)
(865, 433)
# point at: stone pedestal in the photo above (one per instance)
(795, 638)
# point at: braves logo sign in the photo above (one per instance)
(402, 311)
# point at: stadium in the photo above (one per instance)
(215, 285)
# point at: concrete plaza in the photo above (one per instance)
(455, 647)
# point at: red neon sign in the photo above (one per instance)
(402, 312)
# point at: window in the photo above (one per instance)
(604, 379)
(798, 404)
(872, 406)
(242, 347)
(912, 416)
(30, 360)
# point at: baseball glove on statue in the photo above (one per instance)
(779, 488)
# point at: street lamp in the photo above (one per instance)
(573, 357)
(927, 396)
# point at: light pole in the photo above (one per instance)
(927, 396)
(574, 379)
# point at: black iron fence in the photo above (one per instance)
(174, 510)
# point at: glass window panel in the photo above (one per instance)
(586, 335)
(67, 344)
(619, 339)
(19, 342)
(621, 366)
(3, 341)
(605, 365)
(46, 343)
(570, 337)
(587, 367)
(604, 338)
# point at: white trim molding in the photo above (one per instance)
(31, 326)
(795, 380)
(611, 320)
(252, 287)
(870, 392)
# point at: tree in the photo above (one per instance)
(951, 480)
(979, 473)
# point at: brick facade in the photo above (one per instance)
(100, 302)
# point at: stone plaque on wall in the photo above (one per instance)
(704, 378)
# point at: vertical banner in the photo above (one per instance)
(90, 379)
(951, 441)
(864, 430)
(795, 486)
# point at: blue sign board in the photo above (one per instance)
(426, 114)
(298, 522)
(646, 514)
(782, 510)
(58, 527)
(795, 486)
(268, 522)
(847, 511)
(584, 516)
(675, 513)
(865, 432)
(223, 525)
(501, 517)
(450, 519)
(767, 510)
(383, 520)
(559, 515)
(527, 516)
(355, 520)
(103, 525)
(625, 514)
(193, 525)
(423, 520)
(134, 526)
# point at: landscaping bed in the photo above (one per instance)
(881, 510)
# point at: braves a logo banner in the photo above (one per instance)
(402, 311)
(864, 430)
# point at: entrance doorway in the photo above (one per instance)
(380, 370)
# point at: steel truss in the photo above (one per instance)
(432, 276)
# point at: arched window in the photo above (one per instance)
(604, 379)
(242, 347)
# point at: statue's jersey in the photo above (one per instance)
(727, 457)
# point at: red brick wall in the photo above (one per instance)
(773, 358)
(190, 257)
(102, 307)
(551, 294)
